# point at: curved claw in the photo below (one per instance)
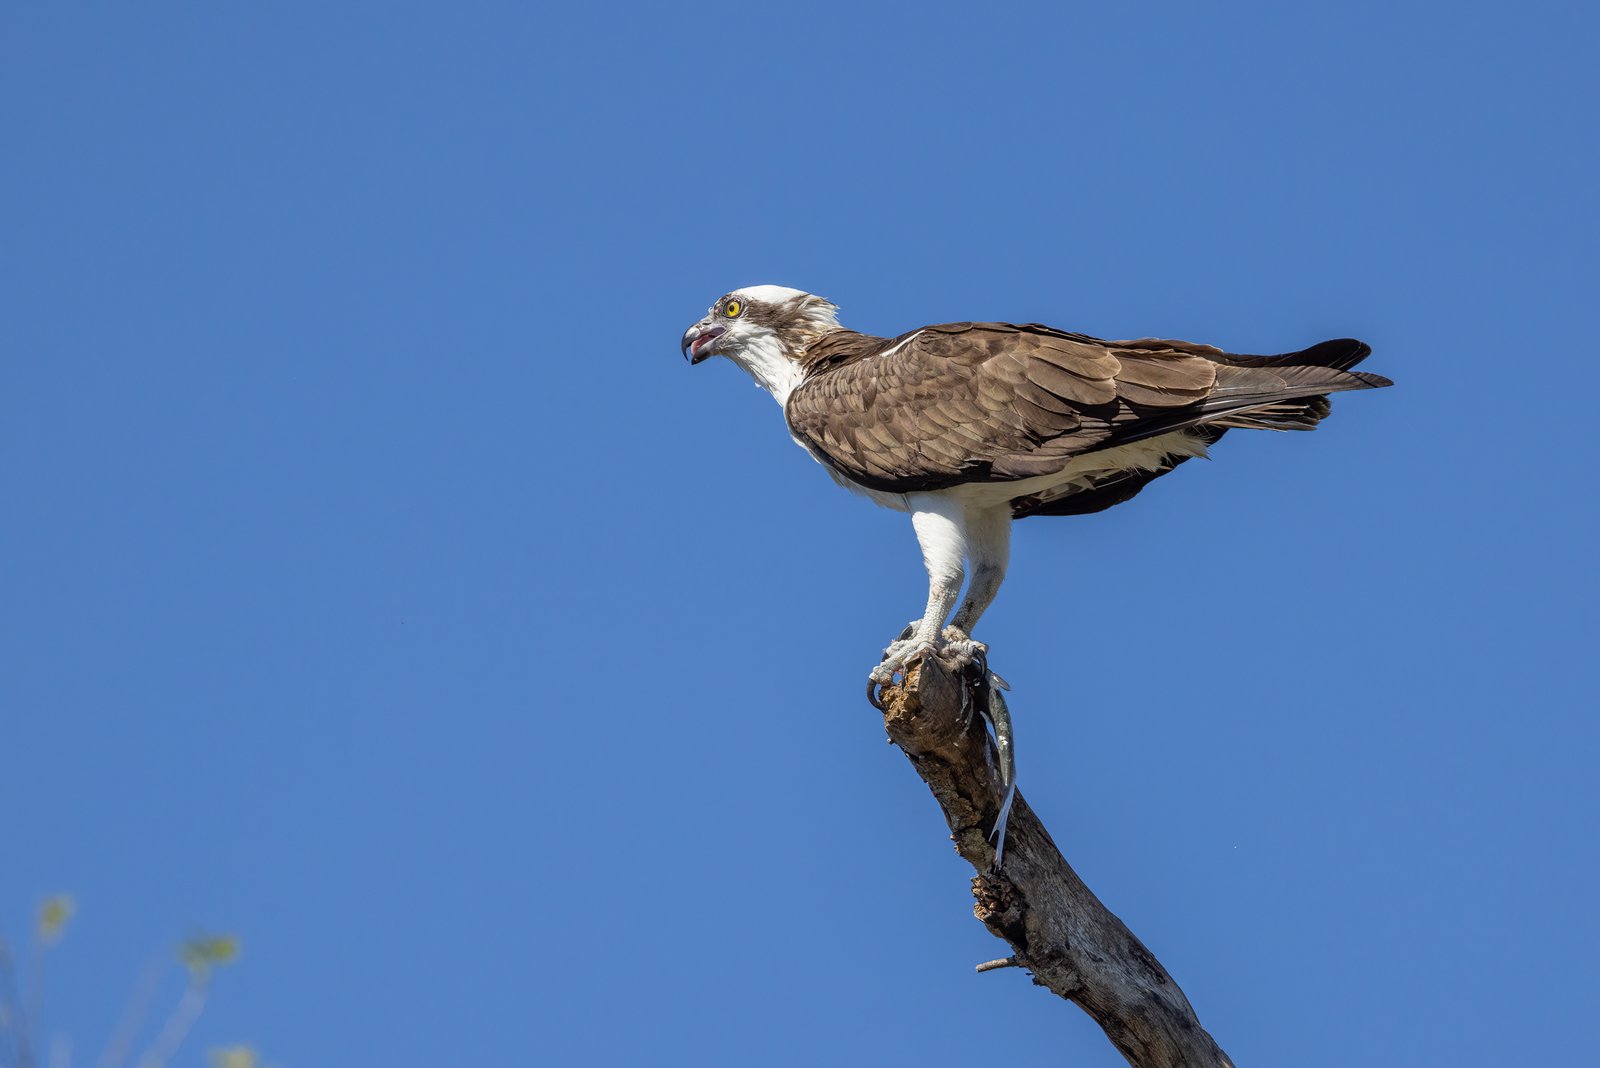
(884, 673)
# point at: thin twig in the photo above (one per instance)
(32, 1002)
(11, 1022)
(176, 1029)
(133, 1016)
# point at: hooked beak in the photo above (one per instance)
(699, 341)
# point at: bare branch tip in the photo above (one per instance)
(996, 965)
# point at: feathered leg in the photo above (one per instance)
(989, 549)
(941, 526)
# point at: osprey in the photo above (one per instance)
(968, 426)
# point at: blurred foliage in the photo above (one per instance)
(54, 915)
(201, 955)
(203, 952)
(235, 1057)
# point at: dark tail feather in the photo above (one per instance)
(1286, 392)
(1293, 385)
(1340, 354)
(1290, 415)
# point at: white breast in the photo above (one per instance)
(762, 357)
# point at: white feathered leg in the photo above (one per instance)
(941, 526)
(989, 549)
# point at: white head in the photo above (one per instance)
(762, 329)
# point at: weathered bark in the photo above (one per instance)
(1058, 929)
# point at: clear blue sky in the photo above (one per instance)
(381, 585)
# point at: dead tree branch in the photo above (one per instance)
(1059, 930)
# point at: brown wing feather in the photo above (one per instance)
(964, 402)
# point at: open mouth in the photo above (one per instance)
(700, 348)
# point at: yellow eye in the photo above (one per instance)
(733, 309)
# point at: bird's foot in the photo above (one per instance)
(959, 647)
(898, 656)
(953, 646)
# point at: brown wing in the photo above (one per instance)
(995, 402)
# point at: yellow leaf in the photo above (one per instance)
(53, 917)
(234, 1057)
(203, 952)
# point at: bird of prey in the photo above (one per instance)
(968, 426)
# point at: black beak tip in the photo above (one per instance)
(698, 333)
